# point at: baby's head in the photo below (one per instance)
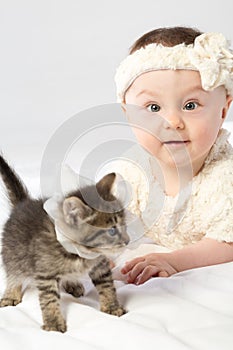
(178, 48)
(167, 37)
(186, 79)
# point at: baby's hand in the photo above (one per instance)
(141, 269)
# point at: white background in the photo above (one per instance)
(59, 57)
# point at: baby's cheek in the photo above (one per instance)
(205, 141)
(147, 140)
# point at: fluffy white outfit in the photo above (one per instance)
(202, 208)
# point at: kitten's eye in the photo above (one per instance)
(153, 108)
(191, 106)
(112, 231)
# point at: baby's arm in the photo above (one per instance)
(204, 253)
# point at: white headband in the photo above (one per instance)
(210, 55)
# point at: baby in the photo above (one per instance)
(176, 87)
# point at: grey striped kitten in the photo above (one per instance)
(30, 248)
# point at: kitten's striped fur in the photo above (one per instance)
(30, 248)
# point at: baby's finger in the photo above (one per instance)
(163, 274)
(147, 273)
(135, 272)
(130, 264)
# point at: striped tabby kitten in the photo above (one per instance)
(30, 248)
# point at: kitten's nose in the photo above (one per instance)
(126, 239)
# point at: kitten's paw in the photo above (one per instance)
(10, 302)
(58, 326)
(115, 310)
(74, 288)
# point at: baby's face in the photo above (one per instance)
(178, 121)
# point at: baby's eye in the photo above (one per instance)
(190, 106)
(153, 107)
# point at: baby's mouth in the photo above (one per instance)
(174, 142)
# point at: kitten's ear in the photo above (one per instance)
(106, 183)
(74, 209)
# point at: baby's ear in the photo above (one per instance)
(104, 186)
(227, 106)
(74, 209)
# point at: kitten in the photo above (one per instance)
(30, 248)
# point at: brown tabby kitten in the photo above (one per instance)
(30, 248)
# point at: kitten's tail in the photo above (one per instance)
(16, 190)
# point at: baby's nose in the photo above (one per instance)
(174, 121)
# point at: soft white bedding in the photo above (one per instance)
(190, 310)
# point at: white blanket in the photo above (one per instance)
(189, 310)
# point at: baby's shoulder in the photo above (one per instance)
(221, 167)
(136, 162)
(216, 179)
